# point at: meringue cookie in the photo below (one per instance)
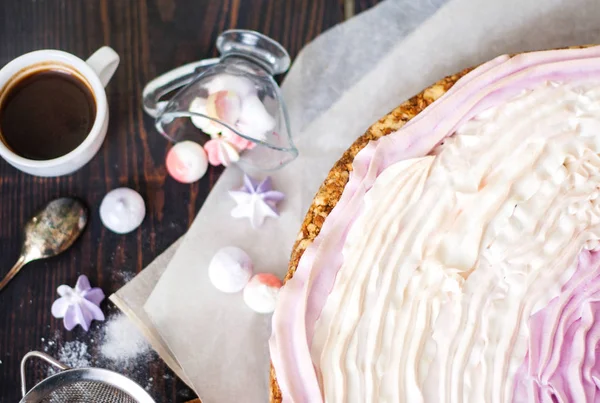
(221, 152)
(256, 201)
(122, 210)
(225, 106)
(198, 105)
(260, 294)
(232, 105)
(228, 82)
(79, 305)
(254, 119)
(230, 269)
(187, 162)
(238, 142)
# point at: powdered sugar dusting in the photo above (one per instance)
(116, 345)
(122, 341)
(123, 277)
(74, 354)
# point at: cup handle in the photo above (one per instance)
(170, 81)
(104, 62)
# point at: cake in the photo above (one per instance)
(452, 254)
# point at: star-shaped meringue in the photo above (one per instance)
(79, 305)
(256, 201)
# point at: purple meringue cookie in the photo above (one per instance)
(79, 305)
(256, 201)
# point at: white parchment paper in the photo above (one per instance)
(339, 85)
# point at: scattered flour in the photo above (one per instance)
(185, 393)
(123, 277)
(122, 340)
(74, 354)
(116, 345)
(50, 344)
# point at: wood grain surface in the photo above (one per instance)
(151, 36)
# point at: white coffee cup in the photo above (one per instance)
(97, 72)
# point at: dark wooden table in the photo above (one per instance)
(151, 36)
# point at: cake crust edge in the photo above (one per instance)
(331, 190)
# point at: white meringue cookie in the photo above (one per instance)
(198, 105)
(261, 292)
(254, 120)
(228, 82)
(230, 269)
(122, 210)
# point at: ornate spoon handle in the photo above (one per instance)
(13, 272)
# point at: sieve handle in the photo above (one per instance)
(44, 357)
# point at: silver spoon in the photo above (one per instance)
(51, 231)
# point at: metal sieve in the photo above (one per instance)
(81, 385)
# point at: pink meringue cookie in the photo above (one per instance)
(234, 101)
(187, 162)
(238, 142)
(225, 106)
(221, 152)
(219, 107)
(260, 294)
(230, 269)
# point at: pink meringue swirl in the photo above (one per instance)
(562, 364)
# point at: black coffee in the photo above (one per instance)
(47, 114)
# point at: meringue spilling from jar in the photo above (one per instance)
(232, 102)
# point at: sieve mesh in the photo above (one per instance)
(81, 385)
(86, 392)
